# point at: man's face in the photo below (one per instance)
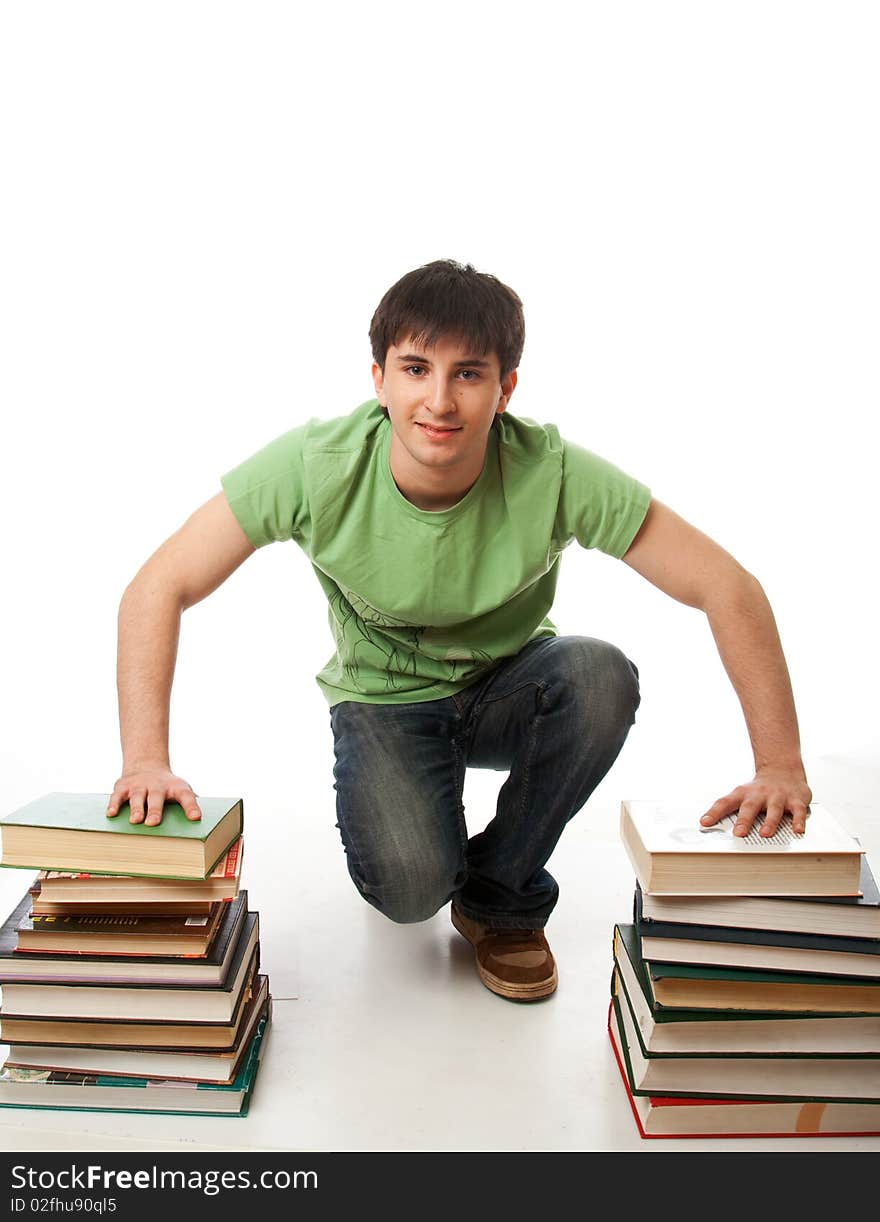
(441, 402)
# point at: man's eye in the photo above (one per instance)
(469, 375)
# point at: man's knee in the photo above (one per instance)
(407, 892)
(596, 677)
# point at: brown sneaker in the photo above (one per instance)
(514, 963)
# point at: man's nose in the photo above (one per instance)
(438, 394)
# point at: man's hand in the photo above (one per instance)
(147, 790)
(774, 790)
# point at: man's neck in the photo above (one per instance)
(430, 490)
(431, 501)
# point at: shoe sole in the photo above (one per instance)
(504, 988)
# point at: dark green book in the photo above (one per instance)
(687, 1032)
(71, 832)
(683, 986)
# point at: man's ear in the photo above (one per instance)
(508, 386)
(378, 380)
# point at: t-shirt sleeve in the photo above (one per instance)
(599, 505)
(267, 492)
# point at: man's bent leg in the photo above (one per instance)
(399, 778)
(557, 716)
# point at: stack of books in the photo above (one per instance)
(129, 970)
(746, 990)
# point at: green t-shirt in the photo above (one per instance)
(423, 603)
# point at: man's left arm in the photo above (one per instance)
(691, 568)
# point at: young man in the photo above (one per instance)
(434, 522)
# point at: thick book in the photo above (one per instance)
(99, 1092)
(673, 855)
(682, 1032)
(683, 1116)
(730, 988)
(823, 1079)
(774, 950)
(844, 916)
(93, 933)
(158, 1037)
(156, 908)
(67, 968)
(690, 987)
(82, 890)
(71, 831)
(128, 1033)
(183, 1064)
(172, 1003)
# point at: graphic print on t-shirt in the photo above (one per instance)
(364, 639)
(368, 631)
(372, 615)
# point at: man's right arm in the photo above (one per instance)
(189, 566)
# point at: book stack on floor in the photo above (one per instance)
(746, 991)
(129, 970)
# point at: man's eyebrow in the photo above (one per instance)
(423, 360)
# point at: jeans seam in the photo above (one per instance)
(458, 762)
(491, 699)
(533, 738)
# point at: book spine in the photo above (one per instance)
(228, 866)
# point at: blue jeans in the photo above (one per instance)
(556, 716)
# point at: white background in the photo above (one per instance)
(201, 207)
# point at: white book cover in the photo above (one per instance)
(674, 827)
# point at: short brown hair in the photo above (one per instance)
(449, 298)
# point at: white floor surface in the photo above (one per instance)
(383, 1037)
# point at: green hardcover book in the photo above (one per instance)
(681, 985)
(681, 1032)
(71, 832)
